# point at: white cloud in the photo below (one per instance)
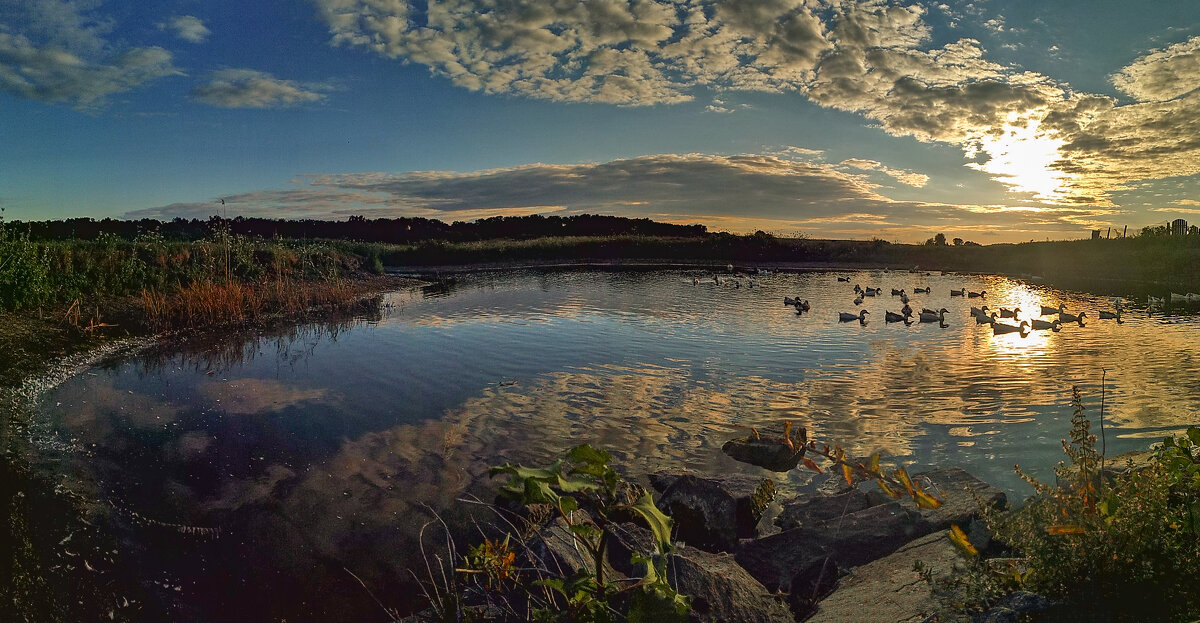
(187, 27)
(56, 51)
(247, 88)
(1162, 74)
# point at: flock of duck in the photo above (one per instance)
(981, 314)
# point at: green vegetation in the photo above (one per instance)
(1106, 544)
(586, 496)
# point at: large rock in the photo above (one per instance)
(720, 589)
(955, 487)
(888, 590)
(805, 559)
(752, 497)
(554, 550)
(810, 509)
(705, 513)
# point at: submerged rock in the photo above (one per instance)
(765, 453)
(811, 509)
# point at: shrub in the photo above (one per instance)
(1108, 545)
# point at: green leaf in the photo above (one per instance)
(1193, 433)
(658, 603)
(659, 523)
(520, 471)
(585, 453)
(575, 485)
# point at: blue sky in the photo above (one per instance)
(988, 120)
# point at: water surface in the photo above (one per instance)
(304, 455)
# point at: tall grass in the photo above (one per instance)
(33, 273)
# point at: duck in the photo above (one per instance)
(861, 316)
(1000, 327)
(789, 301)
(977, 295)
(896, 292)
(1046, 311)
(920, 290)
(846, 279)
(871, 291)
(1107, 315)
(695, 281)
(858, 288)
(890, 316)
(1039, 324)
(752, 283)
(1005, 313)
(1065, 317)
(903, 297)
(938, 316)
(985, 319)
(1154, 300)
(926, 310)
(803, 306)
(979, 311)
(1178, 298)
(959, 292)
(716, 280)
(1192, 297)
(906, 310)
(858, 300)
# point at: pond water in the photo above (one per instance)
(252, 475)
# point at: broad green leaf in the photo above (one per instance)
(520, 471)
(659, 523)
(568, 504)
(585, 453)
(574, 485)
(585, 530)
(538, 492)
(1193, 433)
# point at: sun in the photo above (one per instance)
(1022, 158)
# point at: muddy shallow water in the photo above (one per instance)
(250, 476)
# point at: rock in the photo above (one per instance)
(796, 560)
(765, 453)
(812, 508)
(720, 589)
(554, 550)
(888, 590)
(996, 615)
(752, 497)
(1023, 601)
(954, 485)
(705, 513)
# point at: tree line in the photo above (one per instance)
(385, 230)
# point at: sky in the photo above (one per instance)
(993, 121)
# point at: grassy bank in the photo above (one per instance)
(1153, 263)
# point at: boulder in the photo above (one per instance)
(954, 486)
(705, 513)
(752, 496)
(810, 509)
(720, 589)
(553, 550)
(888, 590)
(804, 559)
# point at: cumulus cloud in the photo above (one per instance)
(764, 192)
(1163, 74)
(56, 51)
(187, 27)
(247, 88)
(876, 58)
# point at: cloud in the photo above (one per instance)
(741, 192)
(916, 180)
(247, 88)
(56, 51)
(187, 27)
(1043, 140)
(1162, 74)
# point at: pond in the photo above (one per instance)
(254, 475)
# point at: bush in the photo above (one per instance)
(1108, 545)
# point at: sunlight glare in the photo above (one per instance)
(1023, 159)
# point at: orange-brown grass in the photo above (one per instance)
(209, 303)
